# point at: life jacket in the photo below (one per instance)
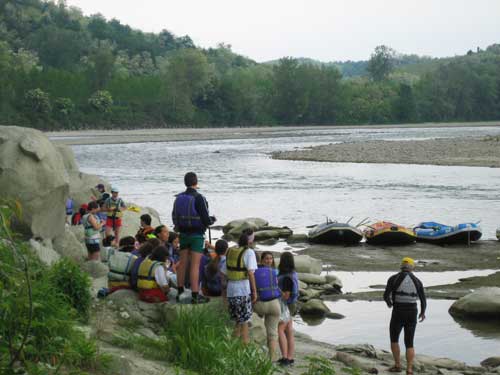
(111, 203)
(185, 215)
(134, 272)
(267, 284)
(294, 294)
(120, 264)
(405, 289)
(91, 234)
(146, 275)
(76, 218)
(236, 269)
(69, 206)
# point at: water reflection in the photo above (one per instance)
(439, 335)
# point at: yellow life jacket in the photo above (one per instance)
(146, 275)
(236, 269)
(114, 204)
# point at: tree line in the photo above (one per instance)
(62, 70)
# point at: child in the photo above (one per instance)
(92, 225)
(153, 281)
(289, 285)
(269, 295)
(210, 276)
(241, 290)
(142, 253)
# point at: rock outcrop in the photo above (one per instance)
(33, 172)
(483, 303)
(131, 220)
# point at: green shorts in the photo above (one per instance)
(194, 242)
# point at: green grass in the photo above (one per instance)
(201, 340)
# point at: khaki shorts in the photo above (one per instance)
(271, 312)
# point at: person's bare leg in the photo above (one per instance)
(237, 330)
(282, 340)
(396, 354)
(290, 339)
(245, 334)
(271, 345)
(410, 356)
(181, 267)
(117, 234)
(194, 276)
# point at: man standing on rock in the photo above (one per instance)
(401, 294)
(191, 218)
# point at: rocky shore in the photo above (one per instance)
(472, 152)
(41, 176)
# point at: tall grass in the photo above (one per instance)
(200, 340)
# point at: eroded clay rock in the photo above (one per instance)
(131, 220)
(32, 171)
(68, 245)
(314, 307)
(236, 227)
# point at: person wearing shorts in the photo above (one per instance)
(114, 206)
(239, 269)
(191, 219)
(401, 294)
(91, 226)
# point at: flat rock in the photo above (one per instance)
(310, 278)
(298, 238)
(491, 362)
(314, 307)
(95, 268)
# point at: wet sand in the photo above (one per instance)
(84, 137)
(478, 152)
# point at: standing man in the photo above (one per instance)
(191, 218)
(114, 207)
(401, 294)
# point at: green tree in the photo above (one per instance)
(405, 106)
(187, 77)
(381, 63)
(101, 101)
(38, 101)
(102, 62)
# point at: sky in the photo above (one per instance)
(325, 30)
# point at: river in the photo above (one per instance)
(241, 180)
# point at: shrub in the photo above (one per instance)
(68, 279)
(38, 101)
(101, 101)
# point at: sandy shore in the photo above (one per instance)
(478, 152)
(83, 137)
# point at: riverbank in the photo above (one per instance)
(477, 152)
(85, 137)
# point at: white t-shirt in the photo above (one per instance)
(241, 288)
(161, 276)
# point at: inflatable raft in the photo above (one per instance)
(333, 233)
(387, 233)
(437, 233)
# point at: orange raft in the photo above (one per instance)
(387, 233)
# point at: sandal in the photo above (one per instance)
(396, 369)
(409, 372)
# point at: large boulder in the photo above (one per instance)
(131, 220)
(81, 185)
(44, 251)
(266, 235)
(236, 227)
(33, 172)
(492, 362)
(68, 245)
(483, 303)
(308, 264)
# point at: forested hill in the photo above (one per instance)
(62, 70)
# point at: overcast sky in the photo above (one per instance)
(321, 29)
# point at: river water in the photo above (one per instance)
(240, 180)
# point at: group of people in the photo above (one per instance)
(157, 260)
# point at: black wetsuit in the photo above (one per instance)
(404, 305)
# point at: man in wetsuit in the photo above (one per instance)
(401, 294)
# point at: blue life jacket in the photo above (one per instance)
(186, 216)
(134, 272)
(69, 206)
(267, 283)
(294, 294)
